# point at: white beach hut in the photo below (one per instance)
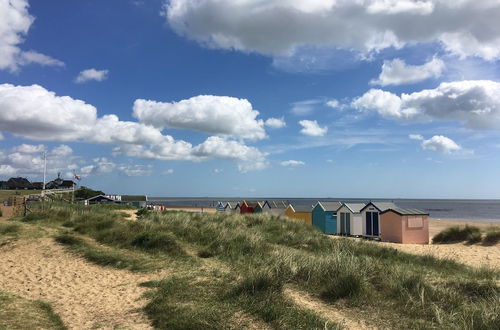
(350, 219)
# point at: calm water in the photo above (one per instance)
(478, 209)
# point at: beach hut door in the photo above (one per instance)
(372, 223)
(348, 223)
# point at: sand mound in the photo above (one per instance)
(83, 294)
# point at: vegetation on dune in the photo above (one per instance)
(492, 236)
(19, 313)
(86, 193)
(469, 234)
(226, 265)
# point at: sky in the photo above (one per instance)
(243, 98)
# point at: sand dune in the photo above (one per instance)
(83, 294)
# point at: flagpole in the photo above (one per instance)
(44, 171)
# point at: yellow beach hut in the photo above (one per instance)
(300, 212)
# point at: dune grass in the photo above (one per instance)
(243, 263)
(468, 234)
(458, 234)
(108, 257)
(492, 236)
(18, 313)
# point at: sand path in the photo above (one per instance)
(83, 294)
(329, 312)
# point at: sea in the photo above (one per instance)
(466, 209)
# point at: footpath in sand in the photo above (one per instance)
(84, 295)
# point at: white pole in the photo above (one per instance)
(44, 170)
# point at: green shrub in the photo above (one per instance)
(456, 234)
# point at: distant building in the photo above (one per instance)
(19, 183)
(101, 199)
(37, 185)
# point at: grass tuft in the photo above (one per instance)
(492, 236)
(457, 234)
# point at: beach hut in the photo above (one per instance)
(247, 207)
(257, 207)
(220, 207)
(237, 208)
(228, 207)
(324, 216)
(299, 212)
(278, 208)
(370, 215)
(349, 219)
(100, 199)
(406, 226)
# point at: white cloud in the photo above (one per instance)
(35, 113)
(416, 137)
(220, 115)
(279, 27)
(29, 148)
(100, 165)
(475, 103)
(441, 144)
(248, 158)
(311, 127)
(275, 122)
(92, 74)
(168, 171)
(136, 170)
(15, 22)
(7, 170)
(292, 163)
(217, 171)
(304, 108)
(397, 72)
(28, 160)
(333, 103)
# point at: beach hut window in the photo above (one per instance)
(415, 222)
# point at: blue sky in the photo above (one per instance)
(295, 98)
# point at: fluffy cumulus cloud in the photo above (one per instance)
(28, 160)
(275, 122)
(397, 72)
(292, 163)
(312, 128)
(91, 74)
(15, 22)
(441, 144)
(475, 103)
(279, 27)
(36, 113)
(220, 115)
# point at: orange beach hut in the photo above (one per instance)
(406, 226)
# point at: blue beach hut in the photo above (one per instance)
(324, 216)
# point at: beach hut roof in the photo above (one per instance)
(401, 211)
(355, 207)
(381, 206)
(100, 198)
(301, 208)
(330, 206)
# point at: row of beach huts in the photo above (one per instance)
(377, 220)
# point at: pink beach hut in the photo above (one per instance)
(406, 226)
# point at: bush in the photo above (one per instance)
(456, 234)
